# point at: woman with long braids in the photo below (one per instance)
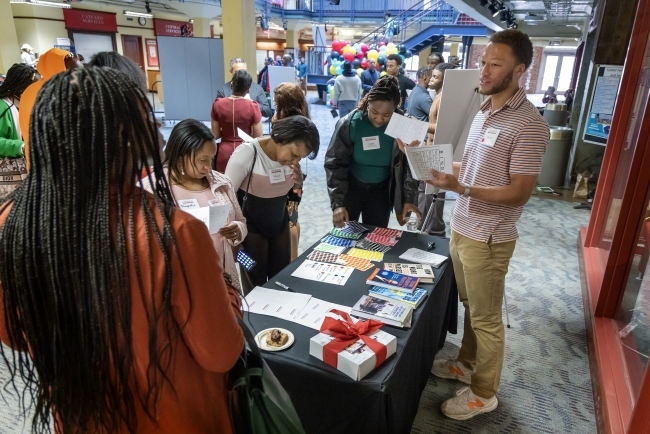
(289, 100)
(367, 173)
(116, 326)
(12, 169)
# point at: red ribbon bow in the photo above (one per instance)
(346, 332)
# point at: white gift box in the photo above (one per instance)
(357, 360)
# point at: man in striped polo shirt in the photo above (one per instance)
(502, 159)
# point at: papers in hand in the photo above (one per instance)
(242, 135)
(424, 158)
(406, 129)
(213, 216)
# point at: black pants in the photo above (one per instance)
(436, 224)
(271, 254)
(371, 202)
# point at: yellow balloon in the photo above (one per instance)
(390, 45)
(383, 73)
(372, 54)
(333, 70)
(359, 71)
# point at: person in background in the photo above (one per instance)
(369, 77)
(549, 96)
(287, 60)
(265, 76)
(302, 74)
(278, 60)
(114, 60)
(126, 267)
(290, 101)
(434, 59)
(50, 63)
(568, 98)
(393, 63)
(260, 74)
(436, 225)
(347, 90)
(232, 113)
(420, 100)
(27, 55)
(19, 77)
(503, 157)
(188, 166)
(389, 27)
(265, 172)
(256, 92)
(367, 173)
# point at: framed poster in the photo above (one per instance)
(601, 108)
(152, 52)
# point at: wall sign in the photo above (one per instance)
(152, 52)
(173, 28)
(81, 19)
(599, 120)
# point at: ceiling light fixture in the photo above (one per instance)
(137, 14)
(43, 3)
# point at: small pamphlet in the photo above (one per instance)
(390, 280)
(280, 304)
(214, 216)
(335, 241)
(421, 271)
(324, 247)
(341, 233)
(424, 158)
(389, 312)
(407, 129)
(422, 257)
(414, 299)
(313, 314)
(366, 254)
(322, 272)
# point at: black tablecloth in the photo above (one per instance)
(386, 400)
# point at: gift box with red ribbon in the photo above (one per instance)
(353, 347)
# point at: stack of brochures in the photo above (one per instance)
(389, 312)
(391, 280)
(413, 299)
(421, 271)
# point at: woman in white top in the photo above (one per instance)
(265, 172)
(188, 163)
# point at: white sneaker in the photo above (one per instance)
(466, 405)
(452, 369)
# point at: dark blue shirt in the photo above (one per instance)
(368, 80)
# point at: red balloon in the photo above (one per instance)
(382, 43)
(348, 56)
(364, 48)
(360, 55)
(364, 63)
(337, 45)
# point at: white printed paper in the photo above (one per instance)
(424, 158)
(242, 135)
(313, 314)
(280, 304)
(214, 217)
(406, 129)
(322, 272)
(422, 257)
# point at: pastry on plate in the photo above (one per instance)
(275, 338)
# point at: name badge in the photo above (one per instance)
(185, 204)
(277, 175)
(213, 202)
(370, 143)
(490, 137)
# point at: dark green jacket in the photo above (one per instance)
(10, 143)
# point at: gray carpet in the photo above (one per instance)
(545, 386)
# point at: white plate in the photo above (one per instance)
(260, 338)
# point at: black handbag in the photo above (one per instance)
(258, 402)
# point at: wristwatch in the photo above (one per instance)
(466, 192)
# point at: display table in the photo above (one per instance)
(386, 400)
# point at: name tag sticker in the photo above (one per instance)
(277, 175)
(370, 143)
(490, 137)
(186, 204)
(213, 202)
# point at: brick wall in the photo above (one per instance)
(528, 81)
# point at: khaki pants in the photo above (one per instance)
(480, 270)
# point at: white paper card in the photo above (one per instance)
(313, 314)
(242, 135)
(406, 129)
(277, 175)
(370, 143)
(422, 257)
(280, 304)
(186, 204)
(424, 158)
(218, 217)
(490, 137)
(322, 272)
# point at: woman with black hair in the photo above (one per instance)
(232, 113)
(367, 173)
(114, 60)
(12, 166)
(266, 172)
(188, 165)
(126, 330)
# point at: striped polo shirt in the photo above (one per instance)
(518, 150)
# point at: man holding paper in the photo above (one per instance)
(502, 159)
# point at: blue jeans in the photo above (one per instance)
(346, 107)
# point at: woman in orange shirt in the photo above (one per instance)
(116, 323)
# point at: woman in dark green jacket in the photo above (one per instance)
(18, 78)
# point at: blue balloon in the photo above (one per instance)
(402, 56)
(356, 63)
(408, 54)
(335, 54)
(339, 70)
(401, 49)
(381, 59)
